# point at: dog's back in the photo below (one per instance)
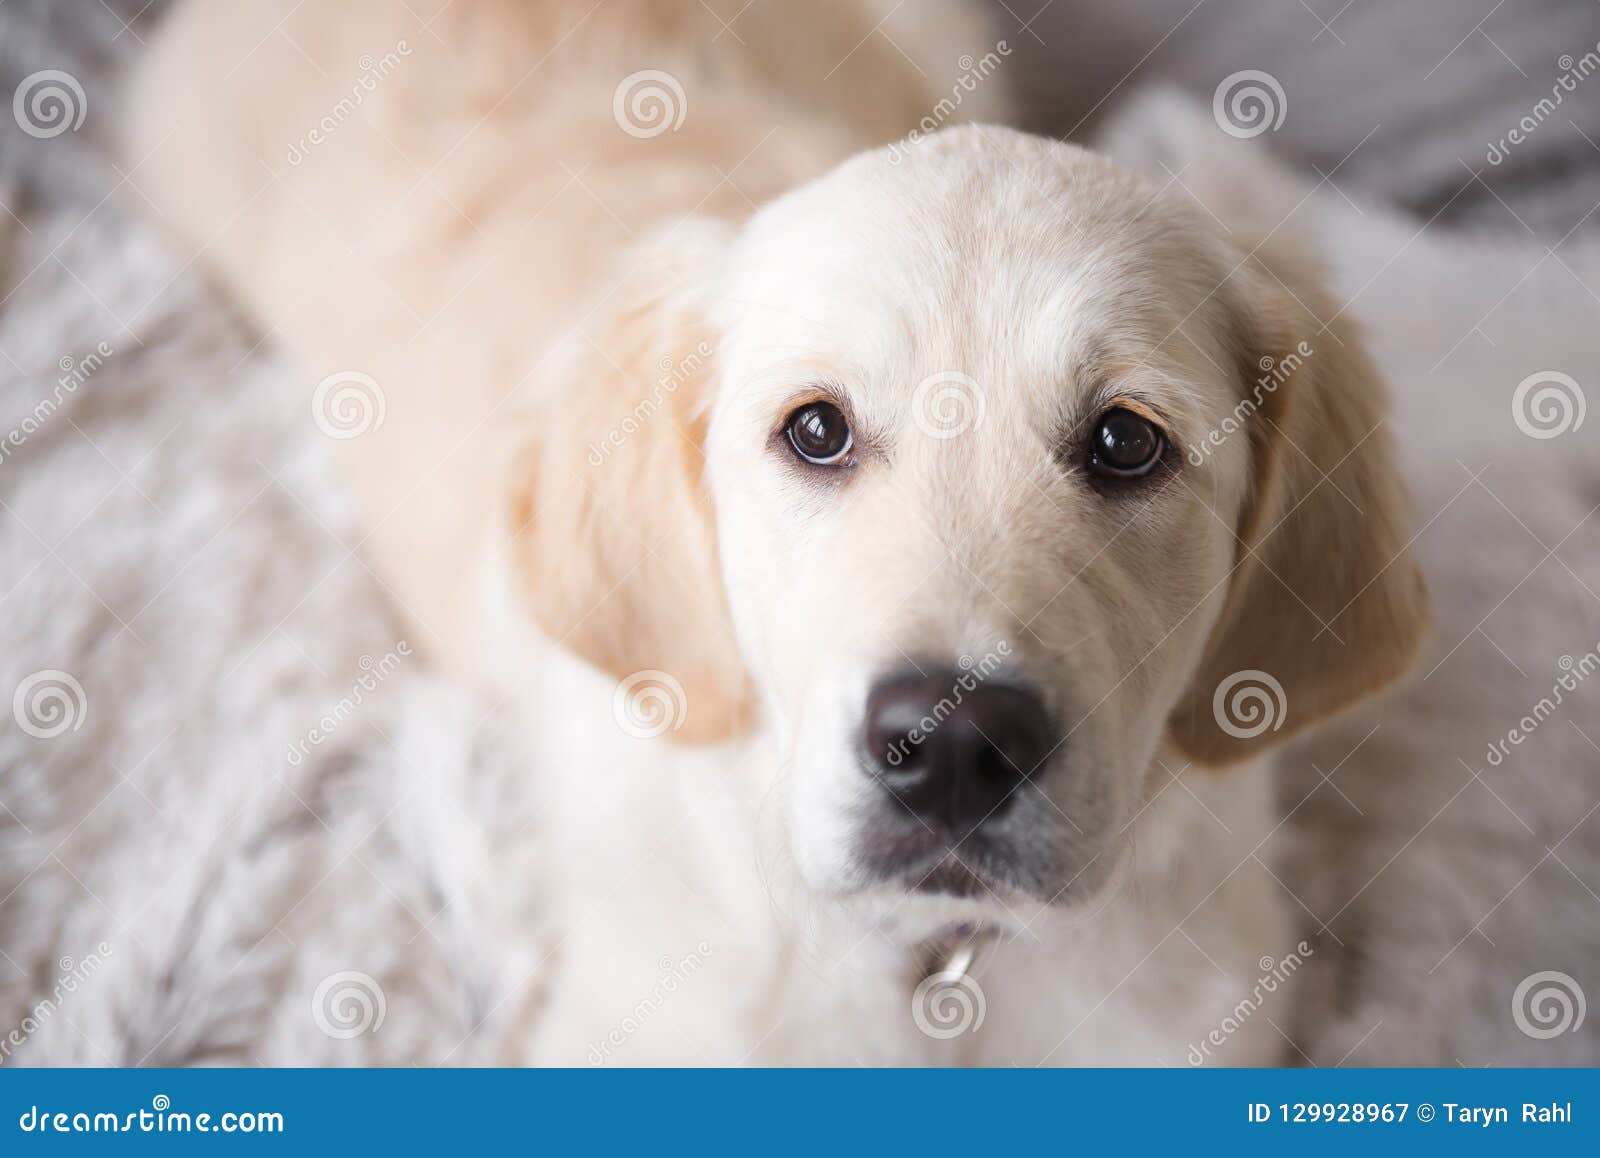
(430, 204)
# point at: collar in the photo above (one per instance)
(956, 953)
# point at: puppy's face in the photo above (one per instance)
(970, 564)
(996, 475)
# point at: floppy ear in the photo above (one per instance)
(1327, 604)
(614, 543)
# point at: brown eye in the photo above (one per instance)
(819, 433)
(1125, 445)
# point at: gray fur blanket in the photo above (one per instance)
(242, 822)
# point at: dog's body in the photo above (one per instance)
(482, 235)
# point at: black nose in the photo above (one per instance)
(950, 753)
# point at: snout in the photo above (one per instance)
(954, 755)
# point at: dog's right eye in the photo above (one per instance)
(1126, 445)
(820, 434)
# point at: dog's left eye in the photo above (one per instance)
(820, 434)
(1125, 445)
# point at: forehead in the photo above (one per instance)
(982, 252)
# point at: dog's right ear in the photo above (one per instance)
(613, 539)
(1326, 603)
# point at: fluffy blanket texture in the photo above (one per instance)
(241, 822)
(238, 781)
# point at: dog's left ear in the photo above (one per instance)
(1326, 604)
(613, 540)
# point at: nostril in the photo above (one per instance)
(895, 753)
(894, 713)
(905, 754)
(992, 764)
(954, 753)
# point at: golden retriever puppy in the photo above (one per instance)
(887, 531)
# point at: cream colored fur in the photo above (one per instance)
(517, 273)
